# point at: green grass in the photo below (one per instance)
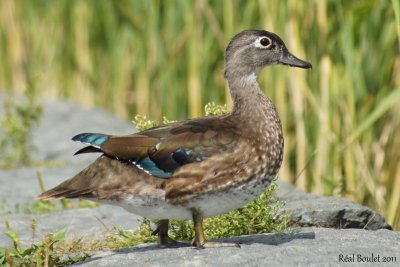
(165, 58)
(51, 251)
(44, 206)
(18, 121)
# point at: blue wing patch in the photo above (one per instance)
(91, 139)
(182, 156)
(165, 166)
(150, 167)
(162, 165)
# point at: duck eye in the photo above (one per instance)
(265, 42)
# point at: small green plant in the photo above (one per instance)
(47, 206)
(54, 250)
(212, 109)
(17, 123)
(48, 252)
(116, 238)
(120, 238)
(143, 123)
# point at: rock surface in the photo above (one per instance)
(304, 247)
(85, 223)
(315, 246)
(306, 209)
(63, 120)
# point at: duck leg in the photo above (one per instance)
(162, 231)
(200, 241)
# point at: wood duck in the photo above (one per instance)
(196, 168)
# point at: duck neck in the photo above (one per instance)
(256, 112)
(248, 99)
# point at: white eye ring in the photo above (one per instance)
(258, 43)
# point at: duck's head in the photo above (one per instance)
(251, 50)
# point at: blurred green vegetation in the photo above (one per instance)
(51, 251)
(165, 58)
(19, 118)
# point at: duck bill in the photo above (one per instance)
(290, 60)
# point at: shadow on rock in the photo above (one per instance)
(270, 239)
(266, 239)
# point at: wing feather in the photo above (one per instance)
(162, 150)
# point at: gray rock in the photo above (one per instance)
(24, 182)
(303, 247)
(63, 120)
(60, 121)
(305, 209)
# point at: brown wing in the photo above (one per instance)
(162, 150)
(107, 178)
(182, 152)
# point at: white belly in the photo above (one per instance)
(209, 204)
(225, 201)
(156, 209)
